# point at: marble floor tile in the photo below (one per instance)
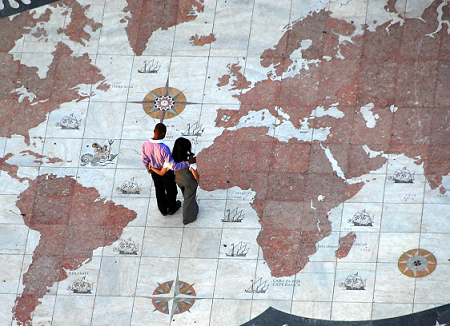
(354, 282)
(234, 277)
(132, 183)
(44, 312)
(101, 179)
(144, 313)
(162, 242)
(392, 286)
(317, 309)
(201, 243)
(104, 120)
(118, 276)
(112, 310)
(360, 311)
(81, 308)
(13, 239)
(9, 213)
(210, 213)
(230, 43)
(239, 244)
(155, 271)
(7, 301)
(199, 314)
(314, 287)
(12, 265)
(391, 310)
(401, 241)
(62, 152)
(219, 85)
(373, 191)
(400, 218)
(225, 312)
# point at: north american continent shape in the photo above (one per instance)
(28, 97)
(401, 71)
(72, 221)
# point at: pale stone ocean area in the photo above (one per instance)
(321, 132)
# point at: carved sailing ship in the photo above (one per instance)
(193, 130)
(69, 122)
(354, 282)
(258, 286)
(150, 67)
(234, 215)
(239, 250)
(403, 176)
(129, 187)
(127, 247)
(81, 286)
(361, 219)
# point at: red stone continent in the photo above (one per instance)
(345, 245)
(404, 66)
(148, 16)
(73, 221)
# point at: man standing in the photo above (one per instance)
(154, 154)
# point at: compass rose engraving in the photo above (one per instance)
(164, 102)
(417, 263)
(181, 294)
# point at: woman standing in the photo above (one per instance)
(186, 179)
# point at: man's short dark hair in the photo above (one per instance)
(160, 128)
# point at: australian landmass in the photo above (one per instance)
(391, 89)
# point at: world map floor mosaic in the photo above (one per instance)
(321, 134)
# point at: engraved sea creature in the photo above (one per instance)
(101, 157)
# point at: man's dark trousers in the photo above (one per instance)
(166, 191)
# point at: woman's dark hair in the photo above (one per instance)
(181, 150)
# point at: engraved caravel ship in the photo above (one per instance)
(130, 187)
(195, 129)
(81, 286)
(239, 250)
(128, 247)
(403, 176)
(361, 219)
(354, 282)
(69, 122)
(258, 287)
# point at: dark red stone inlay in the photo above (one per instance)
(145, 17)
(398, 71)
(72, 221)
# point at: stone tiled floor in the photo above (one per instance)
(346, 92)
